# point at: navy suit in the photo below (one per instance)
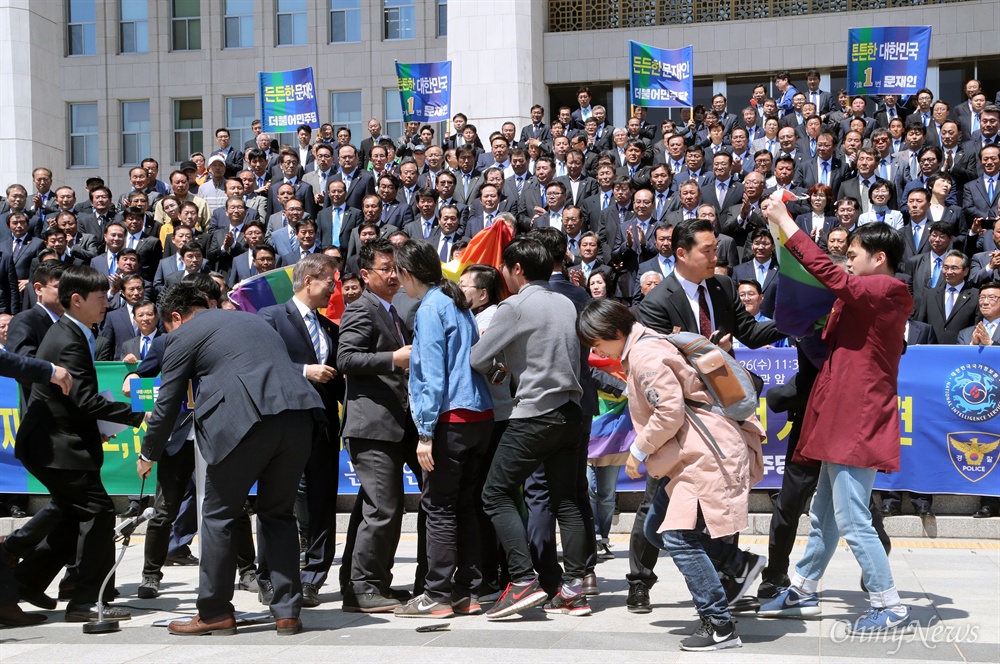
(362, 184)
(118, 328)
(324, 459)
(748, 272)
(23, 257)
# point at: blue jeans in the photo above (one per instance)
(698, 557)
(840, 509)
(602, 482)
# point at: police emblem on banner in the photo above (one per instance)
(974, 453)
(973, 392)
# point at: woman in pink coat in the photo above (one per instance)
(709, 480)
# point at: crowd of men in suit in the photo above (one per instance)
(616, 197)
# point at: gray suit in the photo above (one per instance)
(254, 420)
(965, 336)
(376, 428)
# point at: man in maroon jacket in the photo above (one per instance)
(864, 335)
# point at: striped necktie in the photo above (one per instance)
(313, 328)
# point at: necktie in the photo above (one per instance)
(918, 231)
(336, 226)
(990, 189)
(812, 147)
(572, 245)
(621, 214)
(92, 343)
(560, 168)
(704, 318)
(385, 210)
(113, 264)
(722, 192)
(606, 200)
(761, 273)
(814, 98)
(927, 119)
(520, 184)
(144, 348)
(398, 322)
(631, 171)
(975, 122)
(665, 267)
(313, 326)
(305, 252)
(825, 175)
(770, 145)
(544, 200)
(489, 219)
(17, 247)
(883, 169)
(428, 223)
(131, 242)
(660, 199)
(950, 302)
(260, 182)
(865, 202)
(445, 248)
(936, 274)
(555, 220)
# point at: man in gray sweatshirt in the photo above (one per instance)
(533, 337)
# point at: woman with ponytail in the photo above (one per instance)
(451, 407)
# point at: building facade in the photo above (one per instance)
(91, 87)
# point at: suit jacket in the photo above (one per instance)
(531, 197)
(975, 200)
(980, 272)
(541, 132)
(870, 125)
(10, 296)
(294, 256)
(287, 322)
(87, 222)
(24, 335)
(312, 179)
(398, 215)
(667, 306)
(25, 370)
(963, 313)
(354, 241)
(117, 328)
(882, 118)
(22, 261)
(349, 220)
(218, 219)
(376, 404)
(61, 431)
(585, 188)
(303, 193)
(242, 268)
(807, 173)
(165, 268)
(362, 184)
(748, 270)
(852, 188)
(920, 334)
(965, 336)
(133, 346)
(239, 383)
(729, 224)
(220, 259)
(234, 161)
(465, 194)
(909, 248)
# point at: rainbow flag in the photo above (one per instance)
(275, 287)
(486, 248)
(611, 432)
(801, 303)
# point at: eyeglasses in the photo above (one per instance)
(989, 298)
(386, 271)
(952, 268)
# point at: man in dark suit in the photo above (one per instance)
(59, 442)
(119, 325)
(537, 130)
(723, 190)
(375, 133)
(289, 164)
(763, 269)
(986, 264)
(146, 245)
(254, 433)
(951, 306)
(917, 229)
(27, 329)
(825, 168)
(394, 213)
(311, 341)
(579, 186)
(981, 196)
(987, 331)
(373, 354)
(691, 287)
(919, 334)
(360, 182)
(175, 263)
(337, 220)
(305, 235)
(926, 269)
(20, 246)
(233, 157)
(889, 111)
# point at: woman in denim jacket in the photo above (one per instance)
(451, 407)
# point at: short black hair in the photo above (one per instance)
(205, 283)
(553, 240)
(80, 280)
(874, 238)
(192, 246)
(366, 255)
(46, 271)
(685, 231)
(534, 258)
(182, 298)
(750, 282)
(604, 319)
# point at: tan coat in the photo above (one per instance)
(659, 381)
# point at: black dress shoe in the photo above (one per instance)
(17, 512)
(13, 616)
(984, 512)
(398, 595)
(310, 596)
(638, 598)
(36, 598)
(84, 613)
(889, 510)
(133, 510)
(923, 510)
(182, 560)
(265, 591)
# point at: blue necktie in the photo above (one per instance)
(113, 264)
(812, 147)
(990, 190)
(544, 201)
(824, 177)
(92, 343)
(313, 328)
(336, 227)
(936, 274)
(144, 348)
(761, 273)
(606, 200)
(883, 169)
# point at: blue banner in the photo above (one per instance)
(287, 100)
(661, 77)
(949, 413)
(889, 60)
(425, 91)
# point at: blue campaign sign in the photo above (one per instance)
(288, 99)
(425, 90)
(887, 60)
(661, 77)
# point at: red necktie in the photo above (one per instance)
(704, 318)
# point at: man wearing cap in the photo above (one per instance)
(213, 190)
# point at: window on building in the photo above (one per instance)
(185, 25)
(239, 23)
(239, 115)
(345, 111)
(83, 135)
(345, 21)
(393, 125)
(292, 29)
(187, 128)
(442, 18)
(398, 20)
(135, 132)
(81, 28)
(133, 28)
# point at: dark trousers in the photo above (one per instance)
(797, 486)
(641, 552)
(450, 501)
(494, 562)
(173, 478)
(185, 524)
(551, 440)
(918, 500)
(321, 475)
(541, 526)
(409, 451)
(78, 497)
(273, 455)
